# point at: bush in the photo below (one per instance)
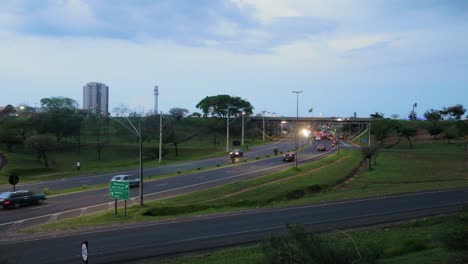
(297, 246)
(456, 239)
(408, 246)
(314, 188)
(46, 191)
(295, 194)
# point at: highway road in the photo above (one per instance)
(122, 244)
(76, 204)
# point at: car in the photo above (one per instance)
(17, 199)
(289, 157)
(132, 181)
(321, 147)
(318, 138)
(236, 153)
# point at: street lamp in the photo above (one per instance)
(138, 133)
(242, 142)
(227, 132)
(295, 124)
(263, 117)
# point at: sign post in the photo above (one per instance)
(119, 190)
(13, 180)
(84, 251)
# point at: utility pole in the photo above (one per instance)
(141, 161)
(243, 113)
(295, 125)
(227, 132)
(160, 137)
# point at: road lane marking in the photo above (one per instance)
(39, 207)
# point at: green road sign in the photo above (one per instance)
(119, 190)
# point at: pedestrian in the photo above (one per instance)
(78, 165)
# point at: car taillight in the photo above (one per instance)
(6, 202)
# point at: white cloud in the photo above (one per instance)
(352, 42)
(68, 14)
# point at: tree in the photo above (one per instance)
(450, 133)
(42, 144)
(408, 132)
(196, 114)
(433, 115)
(9, 137)
(395, 116)
(412, 115)
(454, 112)
(59, 117)
(178, 113)
(377, 115)
(382, 129)
(224, 105)
(462, 127)
(435, 130)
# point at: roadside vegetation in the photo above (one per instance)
(442, 239)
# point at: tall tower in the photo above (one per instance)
(96, 98)
(156, 93)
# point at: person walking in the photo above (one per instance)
(78, 165)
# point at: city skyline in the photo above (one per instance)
(347, 56)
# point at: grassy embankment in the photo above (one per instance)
(413, 242)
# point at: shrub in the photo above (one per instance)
(295, 194)
(297, 246)
(456, 239)
(46, 191)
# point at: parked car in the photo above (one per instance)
(19, 198)
(321, 147)
(289, 157)
(236, 153)
(318, 138)
(132, 181)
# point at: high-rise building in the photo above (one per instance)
(96, 98)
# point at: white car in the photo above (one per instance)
(318, 138)
(132, 181)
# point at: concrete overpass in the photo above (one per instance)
(341, 120)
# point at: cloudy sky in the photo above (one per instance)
(346, 56)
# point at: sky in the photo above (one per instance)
(362, 56)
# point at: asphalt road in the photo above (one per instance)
(76, 204)
(130, 243)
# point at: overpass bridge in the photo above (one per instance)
(340, 120)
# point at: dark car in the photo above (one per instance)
(289, 157)
(236, 153)
(20, 198)
(132, 181)
(321, 147)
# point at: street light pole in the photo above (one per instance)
(227, 133)
(242, 143)
(295, 125)
(141, 161)
(263, 117)
(160, 136)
